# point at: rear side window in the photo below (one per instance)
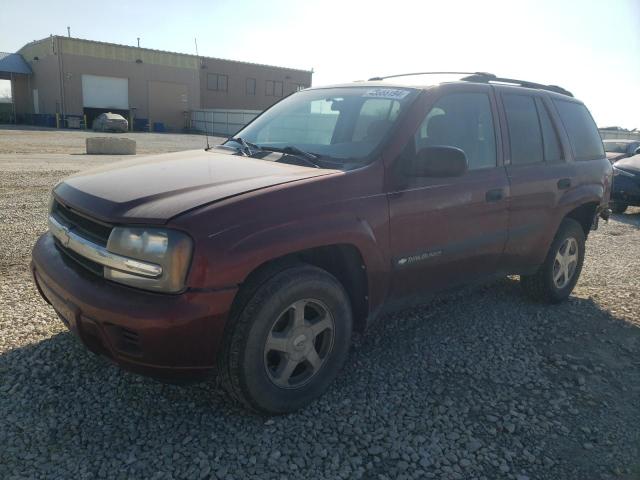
(581, 129)
(552, 149)
(525, 136)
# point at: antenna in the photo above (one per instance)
(206, 129)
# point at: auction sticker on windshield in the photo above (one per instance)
(393, 93)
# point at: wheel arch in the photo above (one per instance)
(584, 215)
(344, 261)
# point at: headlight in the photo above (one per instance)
(624, 173)
(169, 249)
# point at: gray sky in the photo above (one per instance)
(590, 47)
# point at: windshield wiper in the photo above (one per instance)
(297, 152)
(246, 146)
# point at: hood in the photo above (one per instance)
(155, 188)
(613, 156)
(630, 163)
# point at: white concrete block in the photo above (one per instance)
(110, 146)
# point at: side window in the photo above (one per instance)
(217, 81)
(525, 137)
(582, 131)
(278, 89)
(268, 88)
(552, 149)
(462, 120)
(250, 86)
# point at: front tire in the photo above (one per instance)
(557, 276)
(288, 342)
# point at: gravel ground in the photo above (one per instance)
(477, 384)
(50, 140)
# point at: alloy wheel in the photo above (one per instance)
(299, 343)
(565, 263)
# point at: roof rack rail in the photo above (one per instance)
(484, 77)
(489, 77)
(375, 79)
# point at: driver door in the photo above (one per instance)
(449, 231)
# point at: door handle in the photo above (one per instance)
(564, 183)
(494, 195)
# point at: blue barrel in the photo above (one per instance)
(141, 124)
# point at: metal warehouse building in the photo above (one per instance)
(159, 90)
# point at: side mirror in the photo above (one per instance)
(439, 161)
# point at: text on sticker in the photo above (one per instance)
(394, 93)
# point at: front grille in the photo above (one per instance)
(85, 262)
(90, 229)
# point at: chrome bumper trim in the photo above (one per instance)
(98, 254)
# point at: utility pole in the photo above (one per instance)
(69, 32)
(138, 42)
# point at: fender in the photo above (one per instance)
(242, 249)
(581, 195)
(593, 192)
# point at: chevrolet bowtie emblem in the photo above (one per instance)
(64, 236)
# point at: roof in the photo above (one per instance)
(152, 51)
(621, 140)
(13, 63)
(377, 82)
(113, 116)
(408, 86)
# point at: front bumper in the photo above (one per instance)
(161, 335)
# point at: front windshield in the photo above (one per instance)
(615, 147)
(336, 124)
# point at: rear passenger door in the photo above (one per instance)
(538, 173)
(447, 231)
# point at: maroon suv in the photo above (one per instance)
(259, 257)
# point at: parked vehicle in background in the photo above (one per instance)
(620, 148)
(626, 184)
(259, 257)
(110, 122)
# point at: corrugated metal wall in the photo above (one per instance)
(127, 54)
(217, 121)
(614, 135)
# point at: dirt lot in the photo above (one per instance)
(477, 384)
(38, 140)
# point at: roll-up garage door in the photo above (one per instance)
(105, 92)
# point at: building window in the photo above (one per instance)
(251, 86)
(274, 88)
(217, 81)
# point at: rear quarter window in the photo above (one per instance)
(582, 131)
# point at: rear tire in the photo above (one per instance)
(288, 342)
(558, 275)
(619, 207)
